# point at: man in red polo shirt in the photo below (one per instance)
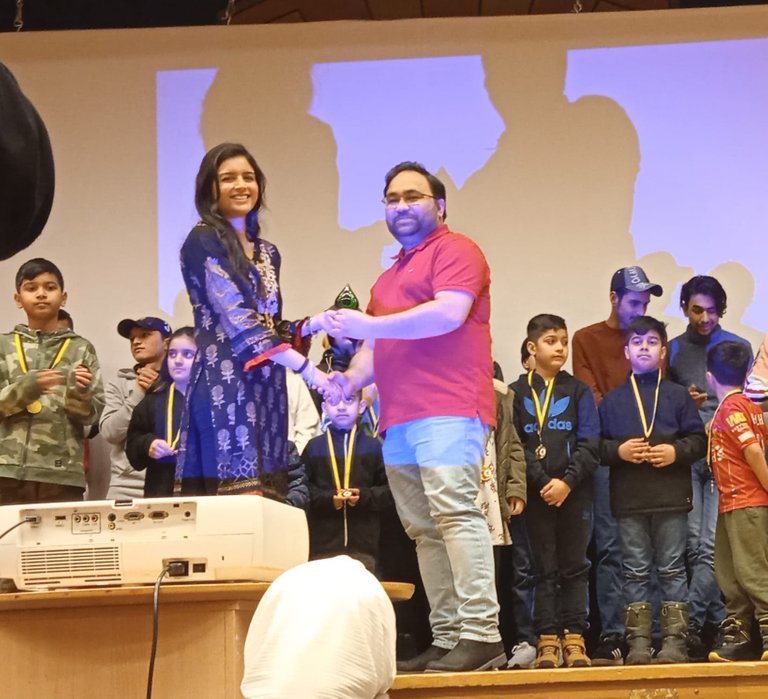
(428, 347)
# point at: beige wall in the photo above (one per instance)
(553, 203)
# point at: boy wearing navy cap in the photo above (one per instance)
(149, 338)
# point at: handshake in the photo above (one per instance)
(333, 386)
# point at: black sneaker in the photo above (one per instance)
(697, 653)
(418, 663)
(733, 643)
(470, 656)
(610, 650)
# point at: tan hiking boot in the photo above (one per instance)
(547, 649)
(574, 651)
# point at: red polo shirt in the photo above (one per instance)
(448, 375)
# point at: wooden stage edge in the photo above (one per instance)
(689, 681)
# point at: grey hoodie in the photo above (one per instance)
(121, 397)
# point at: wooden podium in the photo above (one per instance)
(71, 644)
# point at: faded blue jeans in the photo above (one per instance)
(704, 602)
(654, 541)
(433, 467)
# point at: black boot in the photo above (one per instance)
(637, 625)
(471, 656)
(418, 663)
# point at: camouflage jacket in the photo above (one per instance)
(45, 444)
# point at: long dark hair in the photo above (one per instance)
(207, 203)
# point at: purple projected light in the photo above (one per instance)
(180, 148)
(434, 110)
(700, 111)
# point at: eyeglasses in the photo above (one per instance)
(411, 198)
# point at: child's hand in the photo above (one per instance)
(353, 499)
(48, 379)
(83, 376)
(555, 492)
(516, 506)
(662, 455)
(698, 396)
(634, 450)
(338, 502)
(159, 449)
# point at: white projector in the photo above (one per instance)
(106, 542)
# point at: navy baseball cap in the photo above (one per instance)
(125, 326)
(634, 279)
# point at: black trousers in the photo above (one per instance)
(559, 537)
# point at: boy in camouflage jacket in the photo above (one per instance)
(50, 387)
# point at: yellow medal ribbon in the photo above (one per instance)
(347, 461)
(712, 422)
(646, 428)
(172, 442)
(374, 418)
(541, 412)
(36, 405)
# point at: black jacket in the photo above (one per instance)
(643, 488)
(327, 535)
(148, 424)
(571, 431)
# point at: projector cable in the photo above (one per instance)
(155, 619)
(29, 519)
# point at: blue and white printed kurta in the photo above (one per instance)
(235, 328)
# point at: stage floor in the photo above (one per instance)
(690, 681)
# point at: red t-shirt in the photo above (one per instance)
(738, 423)
(448, 375)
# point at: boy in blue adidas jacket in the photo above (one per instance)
(556, 417)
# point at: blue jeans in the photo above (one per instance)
(433, 467)
(609, 577)
(704, 602)
(654, 541)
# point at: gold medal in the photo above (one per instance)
(486, 474)
(541, 413)
(345, 493)
(36, 406)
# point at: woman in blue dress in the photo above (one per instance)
(234, 435)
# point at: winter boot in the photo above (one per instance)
(574, 651)
(674, 630)
(763, 621)
(733, 642)
(547, 651)
(637, 625)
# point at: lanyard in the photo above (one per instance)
(23, 359)
(541, 413)
(374, 420)
(347, 460)
(712, 422)
(169, 420)
(646, 428)
(36, 405)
